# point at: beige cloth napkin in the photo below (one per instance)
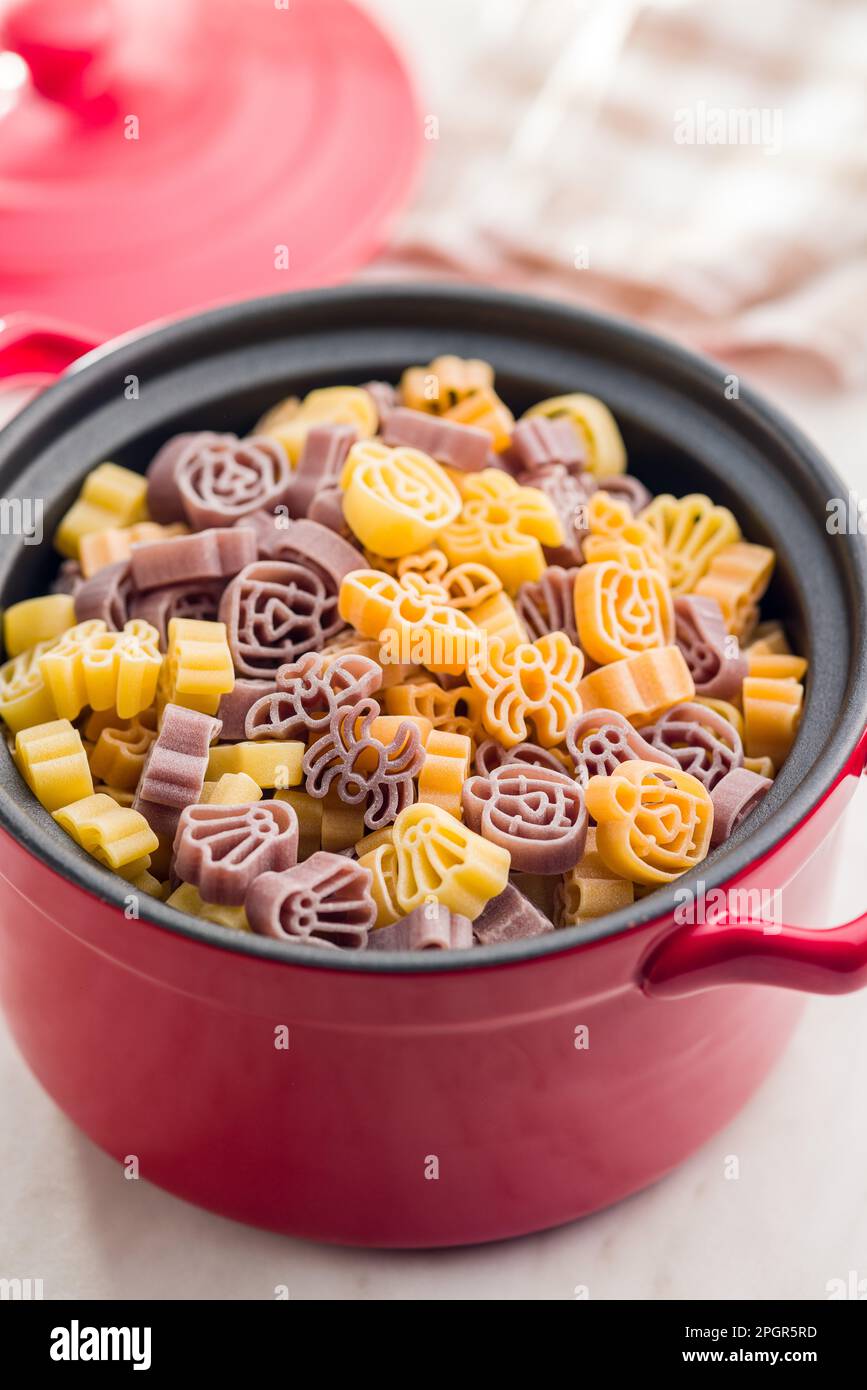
(701, 167)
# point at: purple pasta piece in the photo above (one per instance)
(308, 543)
(221, 850)
(629, 490)
(275, 611)
(164, 498)
(268, 527)
(538, 443)
(308, 693)
(704, 744)
(361, 768)
(327, 509)
(304, 542)
(734, 797)
(429, 927)
(175, 767)
(537, 814)
(490, 755)
(568, 493)
(326, 901)
(235, 706)
(384, 398)
(320, 465)
(221, 480)
(208, 555)
(510, 916)
(601, 739)
(198, 599)
(700, 632)
(548, 605)
(106, 595)
(68, 579)
(458, 446)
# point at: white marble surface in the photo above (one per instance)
(795, 1219)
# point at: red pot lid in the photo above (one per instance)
(158, 156)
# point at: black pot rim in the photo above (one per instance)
(726, 865)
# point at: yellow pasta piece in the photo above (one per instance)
(271, 763)
(776, 665)
(737, 577)
(640, 687)
(614, 532)
(367, 599)
(52, 760)
(772, 713)
(430, 565)
(594, 423)
(309, 811)
(444, 382)
(445, 769)
(484, 410)
(652, 822)
(368, 843)
(124, 796)
(115, 835)
(457, 711)
(413, 625)
(110, 496)
(36, 620)
(384, 728)
(690, 532)
(342, 825)
(198, 668)
(186, 898)
(504, 527)
(769, 640)
(536, 684)
(382, 863)
(106, 670)
(396, 500)
(440, 859)
(726, 709)
(146, 882)
(232, 789)
(24, 696)
(499, 618)
(119, 753)
(590, 890)
(622, 606)
(94, 721)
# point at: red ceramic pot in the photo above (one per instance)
(443, 1098)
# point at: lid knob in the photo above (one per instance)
(60, 41)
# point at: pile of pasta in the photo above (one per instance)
(397, 671)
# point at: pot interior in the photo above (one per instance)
(685, 429)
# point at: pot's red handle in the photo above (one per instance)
(33, 350)
(720, 952)
(700, 957)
